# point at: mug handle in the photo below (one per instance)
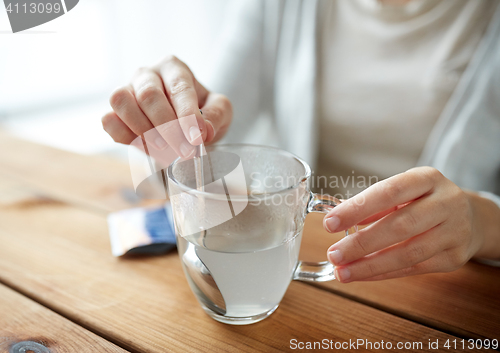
(319, 271)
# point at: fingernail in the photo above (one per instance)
(186, 149)
(335, 257)
(210, 123)
(194, 133)
(160, 143)
(342, 274)
(332, 223)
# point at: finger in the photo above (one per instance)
(428, 266)
(378, 216)
(218, 113)
(414, 219)
(194, 128)
(150, 95)
(125, 106)
(438, 263)
(400, 256)
(382, 214)
(386, 194)
(181, 90)
(117, 129)
(201, 92)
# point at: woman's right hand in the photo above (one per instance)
(160, 94)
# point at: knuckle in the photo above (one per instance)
(391, 189)
(404, 224)
(371, 270)
(178, 86)
(119, 97)
(354, 206)
(408, 270)
(432, 174)
(148, 95)
(359, 243)
(172, 62)
(414, 254)
(171, 58)
(457, 258)
(142, 69)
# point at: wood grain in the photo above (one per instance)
(101, 183)
(59, 255)
(24, 320)
(465, 302)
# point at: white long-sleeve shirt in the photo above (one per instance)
(386, 72)
(269, 69)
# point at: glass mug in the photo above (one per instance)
(239, 234)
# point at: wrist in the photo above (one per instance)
(485, 227)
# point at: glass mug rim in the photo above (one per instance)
(217, 196)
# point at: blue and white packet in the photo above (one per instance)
(142, 231)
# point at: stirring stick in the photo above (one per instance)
(200, 182)
(198, 168)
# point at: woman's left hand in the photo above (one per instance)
(424, 223)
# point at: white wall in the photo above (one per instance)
(66, 69)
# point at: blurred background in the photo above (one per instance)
(56, 79)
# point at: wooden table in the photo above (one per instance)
(61, 288)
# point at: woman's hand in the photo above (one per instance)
(157, 96)
(424, 223)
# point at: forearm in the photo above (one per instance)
(486, 226)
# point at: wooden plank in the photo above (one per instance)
(465, 302)
(59, 255)
(96, 182)
(25, 323)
